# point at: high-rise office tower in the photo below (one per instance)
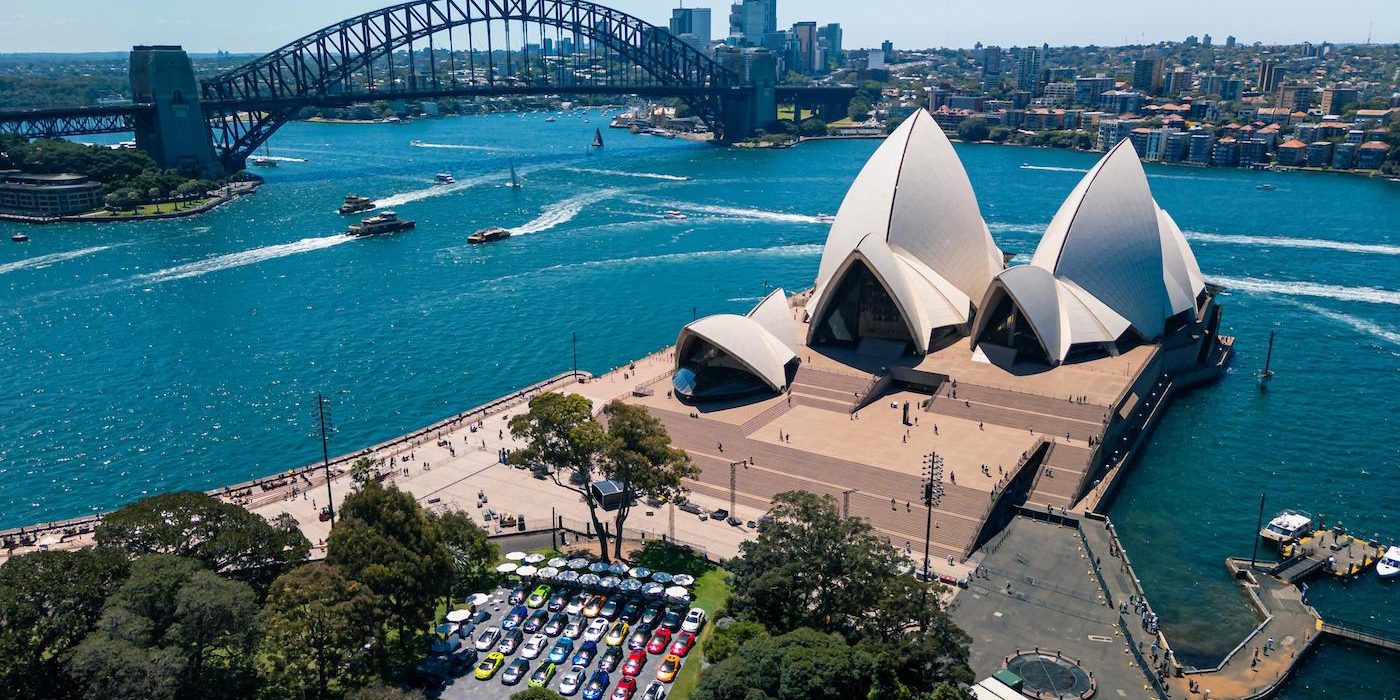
(692, 24)
(1147, 74)
(1028, 69)
(1268, 77)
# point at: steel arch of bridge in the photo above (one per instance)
(58, 123)
(336, 66)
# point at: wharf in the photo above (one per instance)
(1329, 551)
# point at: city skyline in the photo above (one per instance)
(89, 25)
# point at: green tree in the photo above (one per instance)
(639, 455)
(564, 439)
(171, 630)
(386, 541)
(800, 664)
(973, 130)
(225, 537)
(472, 552)
(726, 640)
(362, 471)
(315, 622)
(859, 109)
(48, 601)
(812, 127)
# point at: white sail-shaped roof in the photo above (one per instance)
(912, 217)
(1107, 240)
(763, 342)
(1115, 259)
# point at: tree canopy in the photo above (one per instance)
(639, 455)
(225, 537)
(974, 129)
(315, 623)
(48, 601)
(564, 440)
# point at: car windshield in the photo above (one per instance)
(668, 665)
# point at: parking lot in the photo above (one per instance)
(578, 614)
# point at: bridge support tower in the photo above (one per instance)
(175, 133)
(757, 107)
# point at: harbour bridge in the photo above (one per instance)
(418, 50)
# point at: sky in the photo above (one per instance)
(258, 26)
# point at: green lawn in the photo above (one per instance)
(166, 208)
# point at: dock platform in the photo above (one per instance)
(1326, 550)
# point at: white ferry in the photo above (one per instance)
(1389, 565)
(384, 224)
(1287, 527)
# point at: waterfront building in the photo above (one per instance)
(1122, 102)
(1147, 74)
(1042, 119)
(971, 103)
(727, 356)
(1319, 154)
(692, 25)
(1268, 77)
(1252, 151)
(1087, 91)
(1343, 156)
(1371, 155)
(1291, 152)
(1177, 147)
(1200, 147)
(1225, 153)
(58, 194)
(1336, 100)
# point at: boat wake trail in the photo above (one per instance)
(1054, 168)
(561, 212)
(42, 260)
(285, 159)
(457, 147)
(624, 173)
(1370, 295)
(731, 212)
(1003, 227)
(232, 260)
(1359, 324)
(434, 191)
(1315, 243)
(786, 251)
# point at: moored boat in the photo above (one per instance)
(384, 224)
(489, 235)
(1287, 527)
(19, 237)
(354, 203)
(1389, 565)
(264, 162)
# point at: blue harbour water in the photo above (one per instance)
(140, 358)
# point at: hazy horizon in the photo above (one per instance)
(91, 26)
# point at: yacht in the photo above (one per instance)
(674, 214)
(264, 162)
(488, 235)
(381, 225)
(19, 237)
(1389, 565)
(515, 182)
(355, 203)
(1287, 527)
(444, 179)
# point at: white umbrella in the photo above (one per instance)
(534, 558)
(598, 567)
(559, 562)
(459, 615)
(478, 599)
(640, 572)
(661, 577)
(609, 582)
(617, 569)
(653, 589)
(683, 579)
(507, 567)
(677, 592)
(515, 556)
(527, 570)
(589, 579)
(549, 572)
(579, 563)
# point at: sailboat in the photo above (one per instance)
(515, 182)
(597, 138)
(1266, 374)
(264, 160)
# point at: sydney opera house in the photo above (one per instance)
(1034, 383)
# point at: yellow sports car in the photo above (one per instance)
(490, 665)
(617, 634)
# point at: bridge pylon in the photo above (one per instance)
(175, 133)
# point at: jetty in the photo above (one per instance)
(1331, 551)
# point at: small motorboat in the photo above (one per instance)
(1389, 565)
(444, 179)
(674, 214)
(19, 237)
(1263, 186)
(826, 219)
(488, 235)
(1287, 527)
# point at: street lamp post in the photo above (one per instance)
(933, 495)
(734, 485)
(846, 502)
(326, 455)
